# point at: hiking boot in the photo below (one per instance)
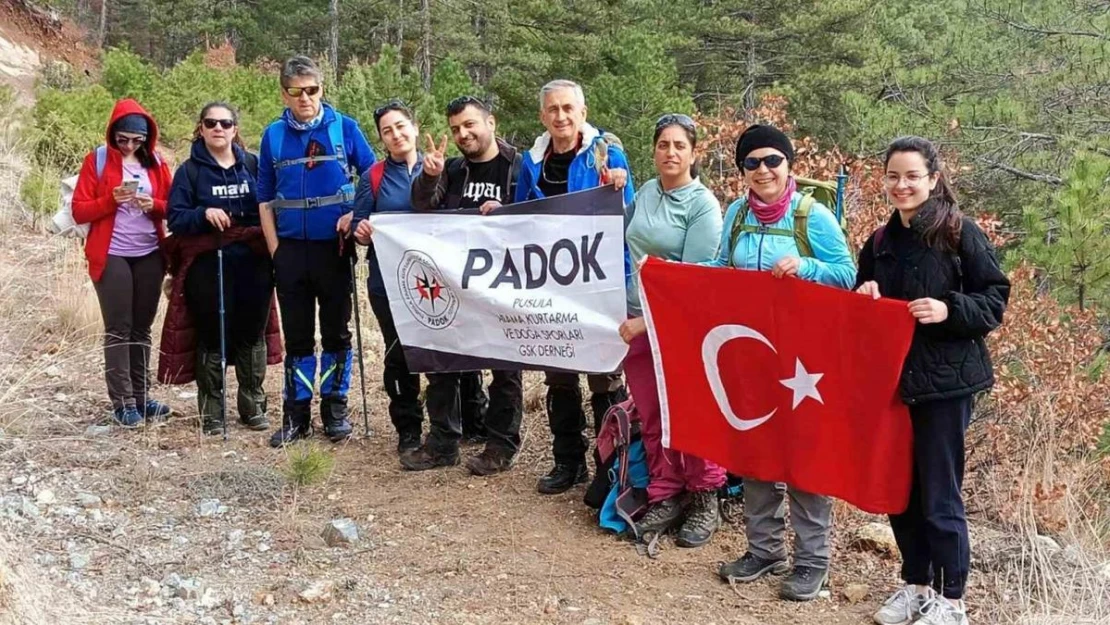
(489, 462)
(408, 441)
(661, 516)
(804, 583)
(154, 410)
(475, 437)
(127, 416)
(295, 424)
(256, 422)
(941, 611)
(751, 567)
(212, 426)
(904, 606)
(424, 458)
(702, 519)
(333, 414)
(562, 478)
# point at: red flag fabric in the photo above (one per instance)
(783, 380)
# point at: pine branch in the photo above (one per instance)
(1045, 178)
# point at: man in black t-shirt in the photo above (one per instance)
(484, 177)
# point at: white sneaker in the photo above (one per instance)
(903, 606)
(941, 611)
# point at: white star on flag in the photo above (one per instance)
(804, 384)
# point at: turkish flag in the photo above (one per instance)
(783, 380)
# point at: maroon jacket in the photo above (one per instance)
(177, 362)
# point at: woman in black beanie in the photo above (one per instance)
(759, 235)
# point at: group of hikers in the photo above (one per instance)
(290, 218)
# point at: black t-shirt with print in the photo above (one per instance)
(554, 172)
(486, 181)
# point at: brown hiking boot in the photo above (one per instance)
(424, 458)
(702, 520)
(489, 462)
(661, 516)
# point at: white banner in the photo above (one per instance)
(537, 285)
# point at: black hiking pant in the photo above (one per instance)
(406, 411)
(311, 273)
(932, 532)
(506, 405)
(566, 417)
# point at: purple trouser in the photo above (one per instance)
(672, 472)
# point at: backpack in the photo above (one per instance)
(377, 173)
(619, 488)
(828, 193)
(62, 223)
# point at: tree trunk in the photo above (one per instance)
(103, 24)
(333, 12)
(426, 44)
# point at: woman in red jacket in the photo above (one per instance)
(122, 191)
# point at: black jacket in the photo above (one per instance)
(200, 183)
(446, 190)
(946, 360)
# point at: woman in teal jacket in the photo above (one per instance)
(759, 234)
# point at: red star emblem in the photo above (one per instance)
(429, 289)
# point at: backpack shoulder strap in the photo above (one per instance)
(251, 162)
(276, 133)
(377, 172)
(877, 241)
(335, 136)
(514, 175)
(737, 227)
(101, 159)
(191, 173)
(801, 226)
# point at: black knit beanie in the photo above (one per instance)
(759, 136)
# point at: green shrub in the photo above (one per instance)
(40, 190)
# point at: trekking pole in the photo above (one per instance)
(223, 337)
(841, 185)
(358, 337)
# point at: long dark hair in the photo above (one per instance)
(687, 125)
(944, 220)
(238, 140)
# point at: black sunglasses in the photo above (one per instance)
(295, 92)
(392, 105)
(226, 124)
(772, 160)
(673, 119)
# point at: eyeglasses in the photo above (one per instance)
(772, 160)
(295, 92)
(676, 119)
(912, 179)
(226, 124)
(124, 140)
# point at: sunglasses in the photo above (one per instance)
(676, 119)
(226, 124)
(295, 92)
(392, 105)
(773, 160)
(122, 140)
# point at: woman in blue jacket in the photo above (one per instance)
(213, 205)
(759, 234)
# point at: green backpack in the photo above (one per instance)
(827, 193)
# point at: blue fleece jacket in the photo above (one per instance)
(581, 176)
(231, 189)
(394, 196)
(320, 179)
(832, 265)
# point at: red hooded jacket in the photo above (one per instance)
(92, 199)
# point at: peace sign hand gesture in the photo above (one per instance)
(434, 156)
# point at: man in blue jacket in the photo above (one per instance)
(305, 168)
(572, 155)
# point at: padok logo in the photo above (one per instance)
(426, 295)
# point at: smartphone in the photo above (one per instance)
(131, 185)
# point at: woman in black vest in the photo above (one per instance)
(942, 264)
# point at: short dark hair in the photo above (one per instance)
(459, 104)
(393, 105)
